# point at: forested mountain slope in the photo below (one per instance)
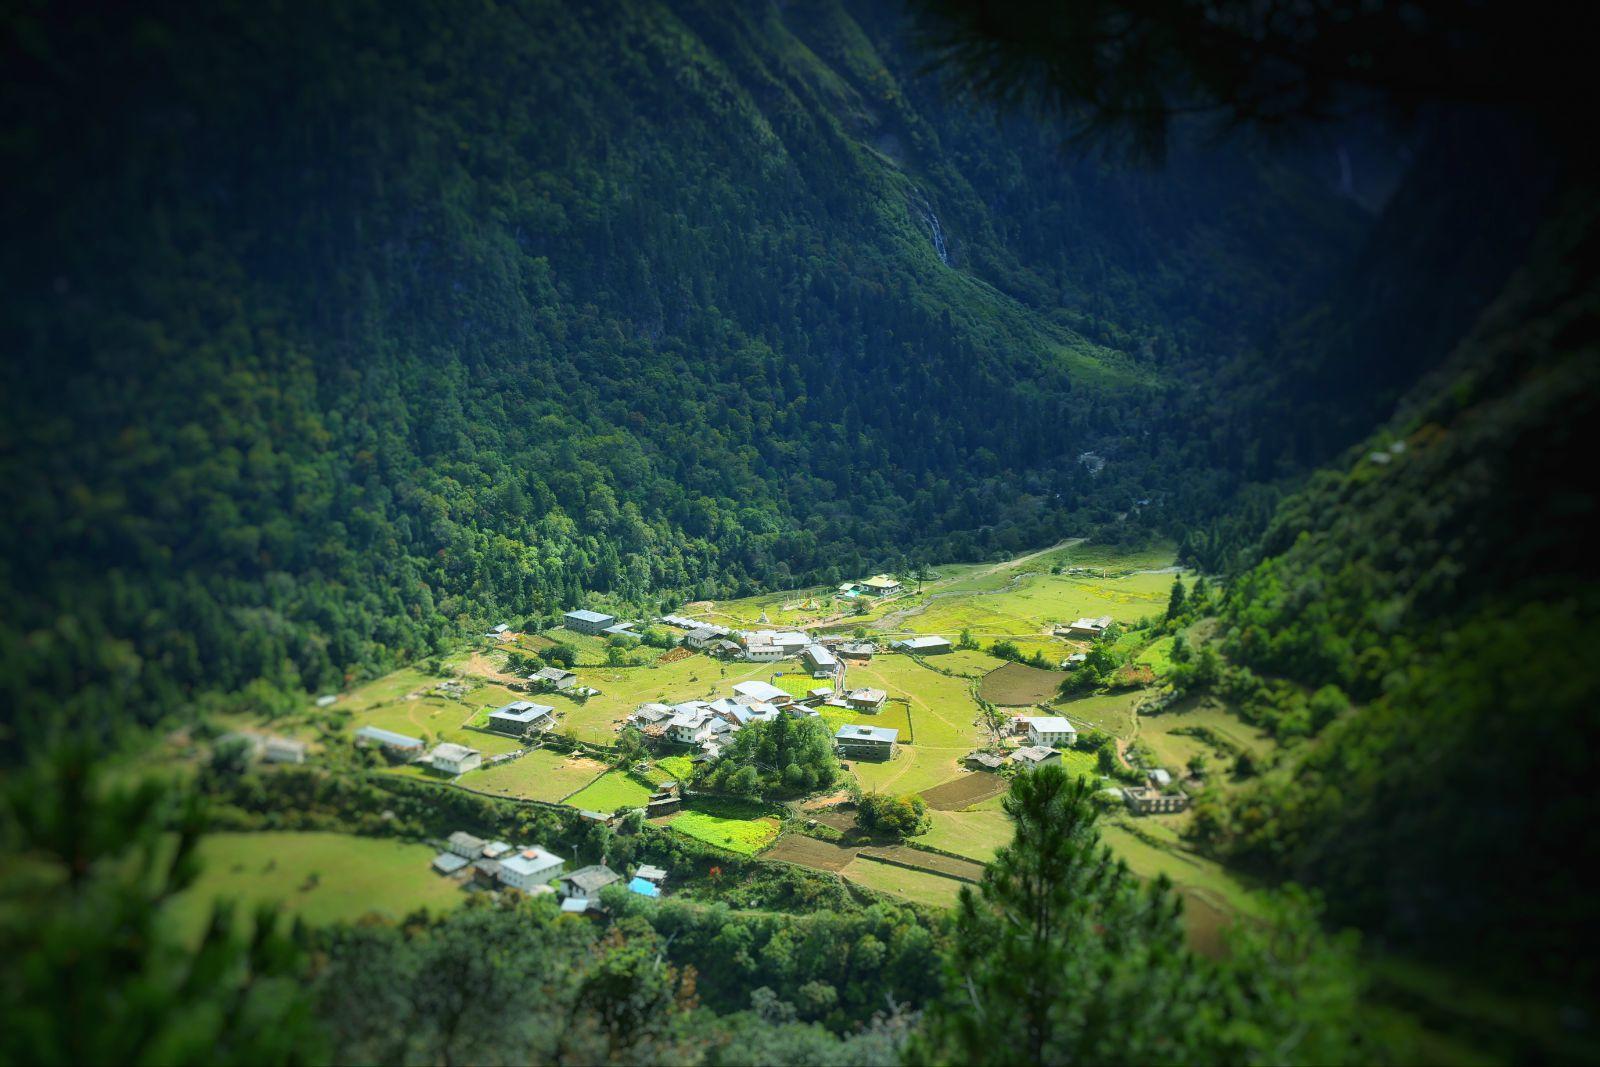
(332, 331)
(1444, 577)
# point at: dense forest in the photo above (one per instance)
(438, 319)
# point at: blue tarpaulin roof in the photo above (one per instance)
(644, 888)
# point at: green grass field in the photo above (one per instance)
(975, 832)
(916, 886)
(356, 876)
(1111, 712)
(738, 826)
(612, 790)
(540, 775)
(680, 767)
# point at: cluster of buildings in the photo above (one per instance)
(537, 871)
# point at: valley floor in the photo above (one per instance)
(945, 707)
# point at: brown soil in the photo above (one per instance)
(1017, 685)
(809, 852)
(965, 791)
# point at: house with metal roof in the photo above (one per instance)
(1051, 731)
(455, 759)
(866, 742)
(587, 882)
(866, 699)
(584, 621)
(821, 662)
(1033, 757)
(388, 739)
(449, 862)
(465, 844)
(521, 716)
(554, 677)
(924, 646)
(879, 585)
(765, 692)
(1085, 627)
(529, 867)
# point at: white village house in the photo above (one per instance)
(455, 759)
(1051, 731)
(529, 867)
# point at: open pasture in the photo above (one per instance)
(404, 702)
(947, 724)
(976, 832)
(918, 887)
(1110, 712)
(320, 877)
(540, 775)
(612, 790)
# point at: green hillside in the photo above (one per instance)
(433, 317)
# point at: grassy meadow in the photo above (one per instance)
(320, 877)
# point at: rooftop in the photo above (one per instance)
(855, 732)
(531, 860)
(451, 751)
(1051, 724)
(521, 711)
(761, 691)
(585, 615)
(388, 737)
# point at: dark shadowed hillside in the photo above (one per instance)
(454, 315)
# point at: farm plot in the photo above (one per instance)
(965, 791)
(540, 775)
(809, 852)
(321, 877)
(932, 862)
(1019, 685)
(973, 832)
(918, 887)
(612, 790)
(745, 827)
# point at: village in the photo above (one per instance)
(918, 709)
